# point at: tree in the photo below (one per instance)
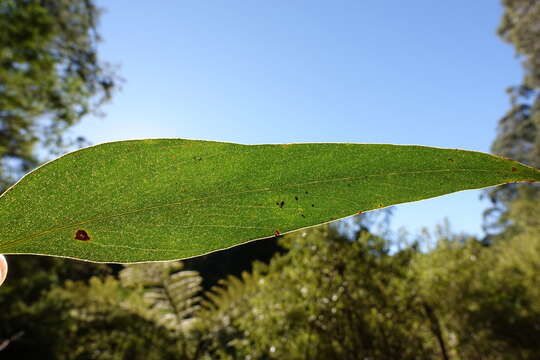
(146, 314)
(332, 297)
(327, 298)
(518, 132)
(50, 77)
(28, 317)
(485, 297)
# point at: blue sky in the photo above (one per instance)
(430, 73)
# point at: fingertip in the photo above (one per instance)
(3, 269)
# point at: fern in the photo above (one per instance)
(223, 305)
(170, 295)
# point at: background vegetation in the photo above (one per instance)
(323, 293)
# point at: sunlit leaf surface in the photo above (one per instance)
(163, 199)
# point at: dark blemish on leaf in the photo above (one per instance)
(530, 181)
(359, 212)
(82, 235)
(451, 160)
(281, 204)
(312, 205)
(277, 233)
(296, 198)
(306, 192)
(198, 158)
(302, 215)
(514, 169)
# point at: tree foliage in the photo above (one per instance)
(518, 135)
(104, 317)
(518, 132)
(326, 296)
(330, 297)
(50, 77)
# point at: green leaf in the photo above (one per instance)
(165, 199)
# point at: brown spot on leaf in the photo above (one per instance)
(277, 233)
(296, 198)
(530, 181)
(359, 212)
(514, 169)
(82, 235)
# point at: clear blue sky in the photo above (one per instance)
(416, 72)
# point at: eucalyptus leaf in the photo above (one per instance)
(164, 199)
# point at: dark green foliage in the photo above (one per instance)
(170, 295)
(329, 298)
(234, 261)
(218, 329)
(326, 297)
(100, 318)
(332, 298)
(50, 77)
(97, 321)
(24, 310)
(487, 307)
(518, 133)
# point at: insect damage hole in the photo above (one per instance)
(81, 235)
